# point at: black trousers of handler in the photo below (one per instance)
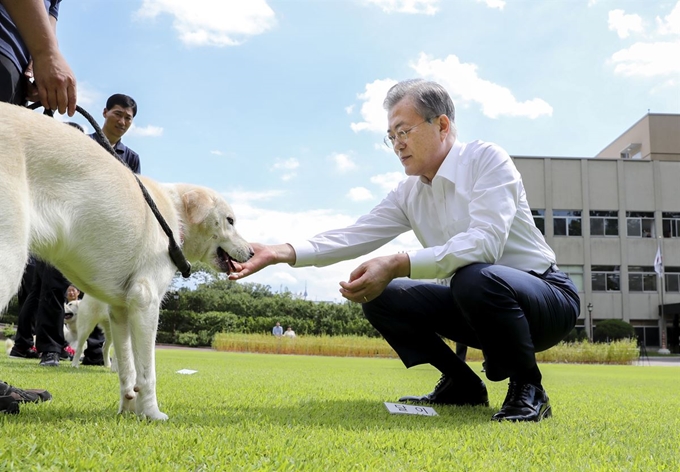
(49, 319)
(28, 305)
(507, 313)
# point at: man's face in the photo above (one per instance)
(117, 121)
(419, 151)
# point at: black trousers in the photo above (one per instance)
(49, 318)
(507, 313)
(28, 305)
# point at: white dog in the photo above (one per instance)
(85, 315)
(70, 203)
(70, 320)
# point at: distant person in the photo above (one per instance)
(289, 333)
(468, 207)
(277, 330)
(118, 115)
(29, 50)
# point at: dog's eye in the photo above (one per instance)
(230, 220)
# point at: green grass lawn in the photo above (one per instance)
(275, 412)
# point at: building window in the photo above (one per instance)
(605, 278)
(567, 222)
(640, 224)
(672, 282)
(539, 220)
(670, 225)
(575, 273)
(642, 279)
(604, 223)
(647, 335)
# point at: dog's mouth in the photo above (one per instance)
(225, 261)
(68, 316)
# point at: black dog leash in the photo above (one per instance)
(175, 251)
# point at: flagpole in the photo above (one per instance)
(659, 269)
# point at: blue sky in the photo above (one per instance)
(278, 103)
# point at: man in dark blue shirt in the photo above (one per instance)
(118, 115)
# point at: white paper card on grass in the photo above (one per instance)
(400, 409)
(187, 371)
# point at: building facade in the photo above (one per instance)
(608, 218)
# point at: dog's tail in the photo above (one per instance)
(9, 344)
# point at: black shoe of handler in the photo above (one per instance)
(447, 392)
(92, 360)
(49, 359)
(524, 402)
(31, 395)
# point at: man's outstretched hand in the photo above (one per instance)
(263, 256)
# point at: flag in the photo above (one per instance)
(658, 261)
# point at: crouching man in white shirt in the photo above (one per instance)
(467, 205)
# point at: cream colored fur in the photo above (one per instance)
(72, 204)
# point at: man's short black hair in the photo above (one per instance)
(122, 100)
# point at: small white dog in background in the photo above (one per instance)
(86, 314)
(70, 318)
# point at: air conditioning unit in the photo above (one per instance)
(632, 151)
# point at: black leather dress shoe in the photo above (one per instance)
(449, 392)
(524, 402)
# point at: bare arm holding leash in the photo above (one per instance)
(55, 81)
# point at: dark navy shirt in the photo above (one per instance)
(11, 44)
(125, 154)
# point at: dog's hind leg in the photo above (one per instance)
(120, 333)
(105, 325)
(143, 319)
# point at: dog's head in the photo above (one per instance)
(209, 230)
(71, 312)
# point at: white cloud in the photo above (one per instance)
(465, 86)
(145, 131)
(287, 164)
(653, 57)
(286, 167)
(359, 194)
(212, 23)
(266, 226)
(343, 162)
(647, 59)
(217, 153)
(493, 3)
(623, 24)
(388, 182)
(427, 7)
(372, 111)
(349, 109)
(671, 23)
(591, 3)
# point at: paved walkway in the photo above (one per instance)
(667, 361)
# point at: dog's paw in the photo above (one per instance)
(156, 415)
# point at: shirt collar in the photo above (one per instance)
(447, 170)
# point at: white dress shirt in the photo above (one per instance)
(474, 210)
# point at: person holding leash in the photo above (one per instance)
(467, 205)
(29, 50)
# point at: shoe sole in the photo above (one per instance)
(547, 413)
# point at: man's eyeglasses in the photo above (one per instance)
(402, 135)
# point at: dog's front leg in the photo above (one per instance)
(120, 332)
(143, 330)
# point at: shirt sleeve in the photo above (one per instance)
(495, 187)
(384, 223)
(54, 8)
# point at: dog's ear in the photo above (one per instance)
(197, 205)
